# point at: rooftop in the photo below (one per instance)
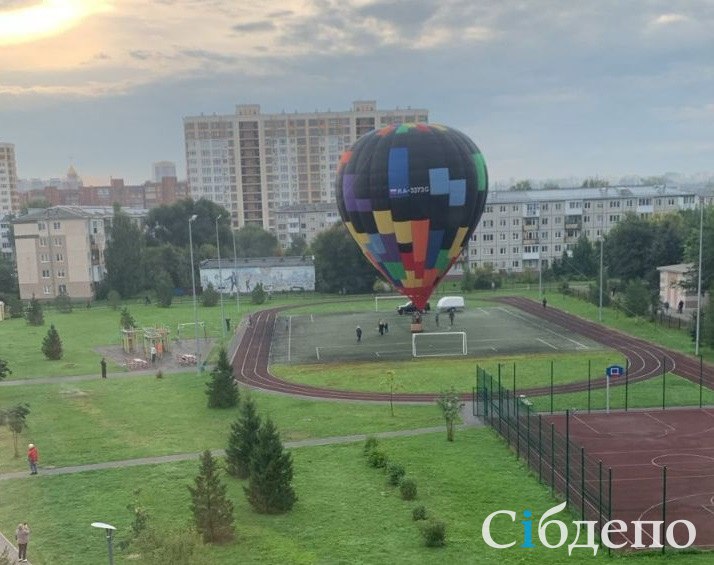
(75, 212)
(518, 196)
(253, 262)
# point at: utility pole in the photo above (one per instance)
(599, 312)
(699, 275)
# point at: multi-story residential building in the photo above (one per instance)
(304, 220)
(60, 250)
(8, 197)
(254, 163)
(162, 169)
(527, 230)
(147, 195)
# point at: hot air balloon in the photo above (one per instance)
(411, 195)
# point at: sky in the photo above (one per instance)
(545, 88)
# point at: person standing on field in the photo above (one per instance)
(32, 458)
(103, 364)
(22, 535)
(358, 331)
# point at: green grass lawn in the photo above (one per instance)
(345, 512)
(644, 394)
(433, 375)
(105, 420)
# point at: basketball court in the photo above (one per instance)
(489, 331)
(638, 445)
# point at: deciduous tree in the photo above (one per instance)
(339, 263)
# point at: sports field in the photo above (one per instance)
(491, 331)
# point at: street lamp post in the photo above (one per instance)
(220, 281)
(599, 312)
(235, 270)
(193, 283)
(109, 530)
(699, 275)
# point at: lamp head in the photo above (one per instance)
(192, 218)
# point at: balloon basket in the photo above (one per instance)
(416, 328)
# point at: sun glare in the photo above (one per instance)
(43, 19)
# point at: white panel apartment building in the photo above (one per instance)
(8, 186)
(519, 230)
(254, 163)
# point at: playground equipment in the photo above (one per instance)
(157, 337)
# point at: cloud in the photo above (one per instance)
(264, 25)
(668, 19)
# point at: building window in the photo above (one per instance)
(60, 273)
(60, 257)
(44, 258)
(56, 241)
(46, 289)
(45, 273)
(56, 225)
(43, 242)
(41, 226)
(63, 289)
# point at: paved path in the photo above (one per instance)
(158, 460)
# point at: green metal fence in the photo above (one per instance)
(582, 481)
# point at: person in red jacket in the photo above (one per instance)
(32, 457)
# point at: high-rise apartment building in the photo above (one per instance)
(8, 197)
(162, 169)
(254, 163)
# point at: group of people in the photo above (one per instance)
(382, 328)
(452, 316)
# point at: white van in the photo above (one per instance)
(448, 302)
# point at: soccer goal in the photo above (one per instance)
(186, 330)
(438, 344)
(390, 297)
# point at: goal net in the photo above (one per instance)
(438, 344)
(390, 302)
(186, 330)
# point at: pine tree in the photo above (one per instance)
(35, 317)
(241, 442)
(52, 344)
(271, 471)
(221, 389)
(126, 320)
(212, 510)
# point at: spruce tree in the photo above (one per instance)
(241, 442)
(269, 488)
(212, 510)
(52, 344)
(221, 389)
(127, 321)
(35, 317)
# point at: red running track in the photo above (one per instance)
(251, 359)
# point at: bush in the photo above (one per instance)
(564, 287)
(63, 303)
(419, 513)
(370, 444)
(159, 374)
(164, 289)
(434, 533)
(114, 299)
(377, 459)
(408, 489)
(210, 296)
(126, 320)
(395, 473)
(13, 305)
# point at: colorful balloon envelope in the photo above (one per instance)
(411, 195)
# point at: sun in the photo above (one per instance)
(44, 18)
